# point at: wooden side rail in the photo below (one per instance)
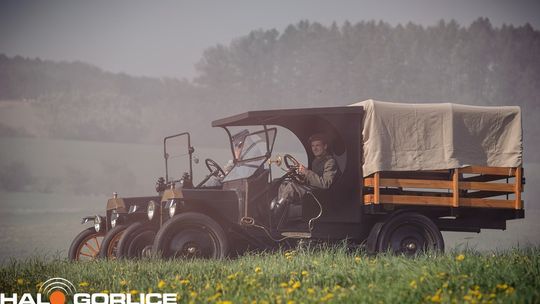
(457, 185)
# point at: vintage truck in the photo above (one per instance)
(408, 172)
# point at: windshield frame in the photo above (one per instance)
(269, 145)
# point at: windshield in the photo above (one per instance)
(177, 156)
(251, 152)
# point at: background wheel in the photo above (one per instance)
(410, 234)
(135, 239)
(86, 245)
(191, 235)
(110, 242)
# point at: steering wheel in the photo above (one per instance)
(292, 165)
(213, 167)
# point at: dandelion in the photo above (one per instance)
(436, 298)
(502, 286)
(184, 282)
(413, 285)
(291, 302)
(161, 284)
(310, 291)
(283, 285)
(460, 258)
(510, 290)
(193, 294)
(123, 283)
(258, 270)
(305, 273)
(232, 276)
(225, 302)
(104, 291)
(84, 284)
(134, 292)
(327, 297)
(296, 285)
(357, 259)
(20, 281)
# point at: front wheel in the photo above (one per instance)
(86, 245)
(409, 234)
(109, 247)
(136, 240)
(191, 235)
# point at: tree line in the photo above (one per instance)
(306, 65)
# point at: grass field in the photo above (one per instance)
(303, 275)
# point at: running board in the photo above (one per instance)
(296, 235)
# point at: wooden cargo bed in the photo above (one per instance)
(473, 186)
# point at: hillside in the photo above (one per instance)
(306, 65)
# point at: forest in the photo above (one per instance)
(306, 65)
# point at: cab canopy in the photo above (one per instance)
(409, 137)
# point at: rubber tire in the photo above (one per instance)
(434, 238)
(172, 227)
(73, 253)
(109, 237)
(136, 232)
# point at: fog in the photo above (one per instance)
(88, 90)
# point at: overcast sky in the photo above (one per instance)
(166, 38)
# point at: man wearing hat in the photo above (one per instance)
(324, 170)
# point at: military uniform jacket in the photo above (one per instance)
(323, 172)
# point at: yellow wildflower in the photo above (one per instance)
(225, 302)
(84, 284)
(104, 291)
(20, 281)
(502, 286)
(123, 283)
(193, 294)
(184, 281)
(310, 290)
(291, 302)
(258, 270)
(327, 297)
(436, 298)
(413, 285)
(232, 276)
(305, 273)
(134, 292)
(296, 285)
(357, 259)
(161, 284)
(283, 284)
(460, 258)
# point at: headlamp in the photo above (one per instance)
(97, 223)
(172, 208)
(151, 210)
(114, 217)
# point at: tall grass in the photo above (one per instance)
(304, 275)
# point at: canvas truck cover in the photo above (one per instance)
(407, 137)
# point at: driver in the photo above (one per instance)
(322, 175)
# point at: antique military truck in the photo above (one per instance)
(408, 172)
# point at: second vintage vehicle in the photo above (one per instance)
(407, 172)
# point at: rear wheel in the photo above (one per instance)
(409, 234)
(136, 240)
(109, 247)
(191, 235)
(86, 245)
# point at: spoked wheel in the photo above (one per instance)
(191, 235)
(86, 245)
(109, 246)
(136, 240)
(410, 234)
